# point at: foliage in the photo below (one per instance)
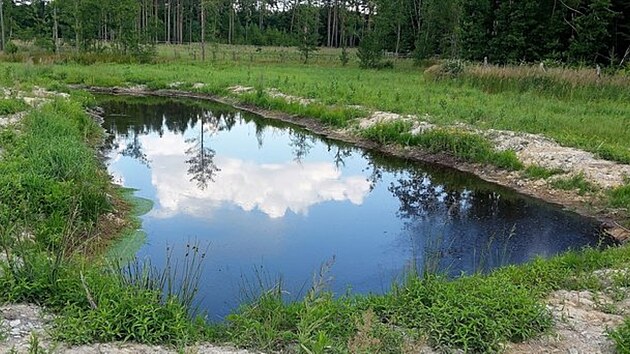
(475, 314)
(576, 31)
(54, 192)
(539, 172)
(308, 30)
(11, 48)
(620, 197)
(621, 337)
(466, 146)
(11, 106)
(577, 182)
(344, 58)
(370, 52)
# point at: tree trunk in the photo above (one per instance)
(231, 23)
(168, 22)
(3, 45)
(329, 26)
(203, 31)
(77, 26)
(55, 28)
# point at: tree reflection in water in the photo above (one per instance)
(202, 168)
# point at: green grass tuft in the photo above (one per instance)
(539, 172)
(463, 145)
(620, 197)
(577, 182)
(11, 106)
(621, 337)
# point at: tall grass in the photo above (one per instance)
(475, 313)
(594, 118)
(561, 83)
(54, 192)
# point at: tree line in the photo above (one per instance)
(501, 31)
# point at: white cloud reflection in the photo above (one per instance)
(273, 189)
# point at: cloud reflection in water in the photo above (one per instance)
(274, 189)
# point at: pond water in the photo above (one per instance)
(271, 200)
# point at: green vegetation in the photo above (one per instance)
(577, 32)
(620, 197)
(11, 106)
(593, 117)
(577, 182)
(475, 313)
(463, 145)
(54, 192)
(621, 336)
(335, 116)
(538, 172)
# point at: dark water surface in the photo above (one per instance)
(273, 200)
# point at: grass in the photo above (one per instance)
(54, 192)
(577, 182)
(621, 337)
(539, 172)
(476, 313)
(335, 116)
(11, 106)
(585, 116)
(466, 146)
(620, 197)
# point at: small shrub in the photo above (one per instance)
(11, 106)
(476, 314)
(448, 69)
(11, 48)
(344, 57)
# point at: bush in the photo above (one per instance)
(448, 69)
(370, 52)
(10, 48)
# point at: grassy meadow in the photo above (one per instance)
(55, 191)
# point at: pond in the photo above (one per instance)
(270, 201)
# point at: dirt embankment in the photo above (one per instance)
(531, 150)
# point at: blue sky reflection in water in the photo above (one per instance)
(273, 200)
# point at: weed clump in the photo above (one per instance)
(11, 106)
(577, 182)
(621, 337)
(463, 145)
(539, 172)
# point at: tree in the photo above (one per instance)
(308, 27)
(370, 52)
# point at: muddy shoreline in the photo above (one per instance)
(586, 206)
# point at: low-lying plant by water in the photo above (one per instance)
(466, 146)
(54, 192)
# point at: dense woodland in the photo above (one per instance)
(504, 31)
